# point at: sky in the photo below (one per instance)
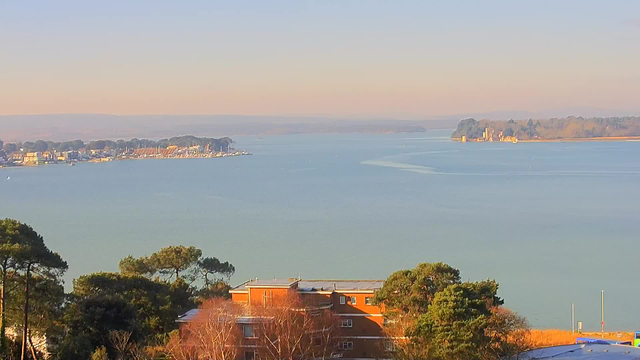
(368, 58)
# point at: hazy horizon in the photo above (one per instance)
(340, 59)
(64, 127)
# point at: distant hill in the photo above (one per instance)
(60, 127)
(551, 129)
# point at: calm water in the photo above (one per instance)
(554, 223)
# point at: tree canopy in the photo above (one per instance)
(565, 128)
(157, 303)
(438, 317)
(220, 144)
(211, 266)
(412, 291)
(172, 260)
(24, 254)
(178, 262)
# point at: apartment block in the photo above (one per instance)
(351, 300)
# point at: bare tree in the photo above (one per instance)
(325, 337)
(177, 349)
(120, 342)
(283, 328)
(213, 334)
(287, 328)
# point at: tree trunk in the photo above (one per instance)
(26, 313)
(33, 348)
(3, 336)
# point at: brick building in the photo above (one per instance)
(351, 300)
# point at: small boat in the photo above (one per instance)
(72, 164)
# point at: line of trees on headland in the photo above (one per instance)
(220, 144)
(119, 315)
(549, 129)
(131, 314)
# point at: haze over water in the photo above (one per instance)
(553, 223)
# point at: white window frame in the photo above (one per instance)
(347, 323)
(354, 300)
(347, 345)
(367, 300)
(244, 331)
(343, 300)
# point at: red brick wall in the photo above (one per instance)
(358, 308)
(257, 295)
(240, 298)
(365, 348)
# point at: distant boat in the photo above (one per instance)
(72, 164)
(8, 177)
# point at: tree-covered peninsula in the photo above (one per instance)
(549, 129)
(221, 144)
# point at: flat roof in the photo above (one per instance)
(188, 316)
(340, 285)
(314, 285)
(585, 351)
(271, 282)
(245, 319)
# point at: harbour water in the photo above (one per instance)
(553, 223)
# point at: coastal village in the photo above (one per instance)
(20, 157)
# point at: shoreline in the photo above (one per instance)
(594, 139)
(73, 163)
(598, 139)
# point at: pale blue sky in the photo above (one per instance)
(342, 58)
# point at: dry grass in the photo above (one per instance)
(553, 337)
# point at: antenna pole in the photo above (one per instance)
(602, 312)
(573, 319)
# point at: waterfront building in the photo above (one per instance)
(33, 158)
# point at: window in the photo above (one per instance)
(347, 345)
(248, 331)
(249, 355)
(317, 341)
(353, 300)
(343, 300)
(347, 323)
(367, 300)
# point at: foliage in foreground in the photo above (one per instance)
(431, 314)
(107, 315)
(434, 316)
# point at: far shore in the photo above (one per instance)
(608, 138)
